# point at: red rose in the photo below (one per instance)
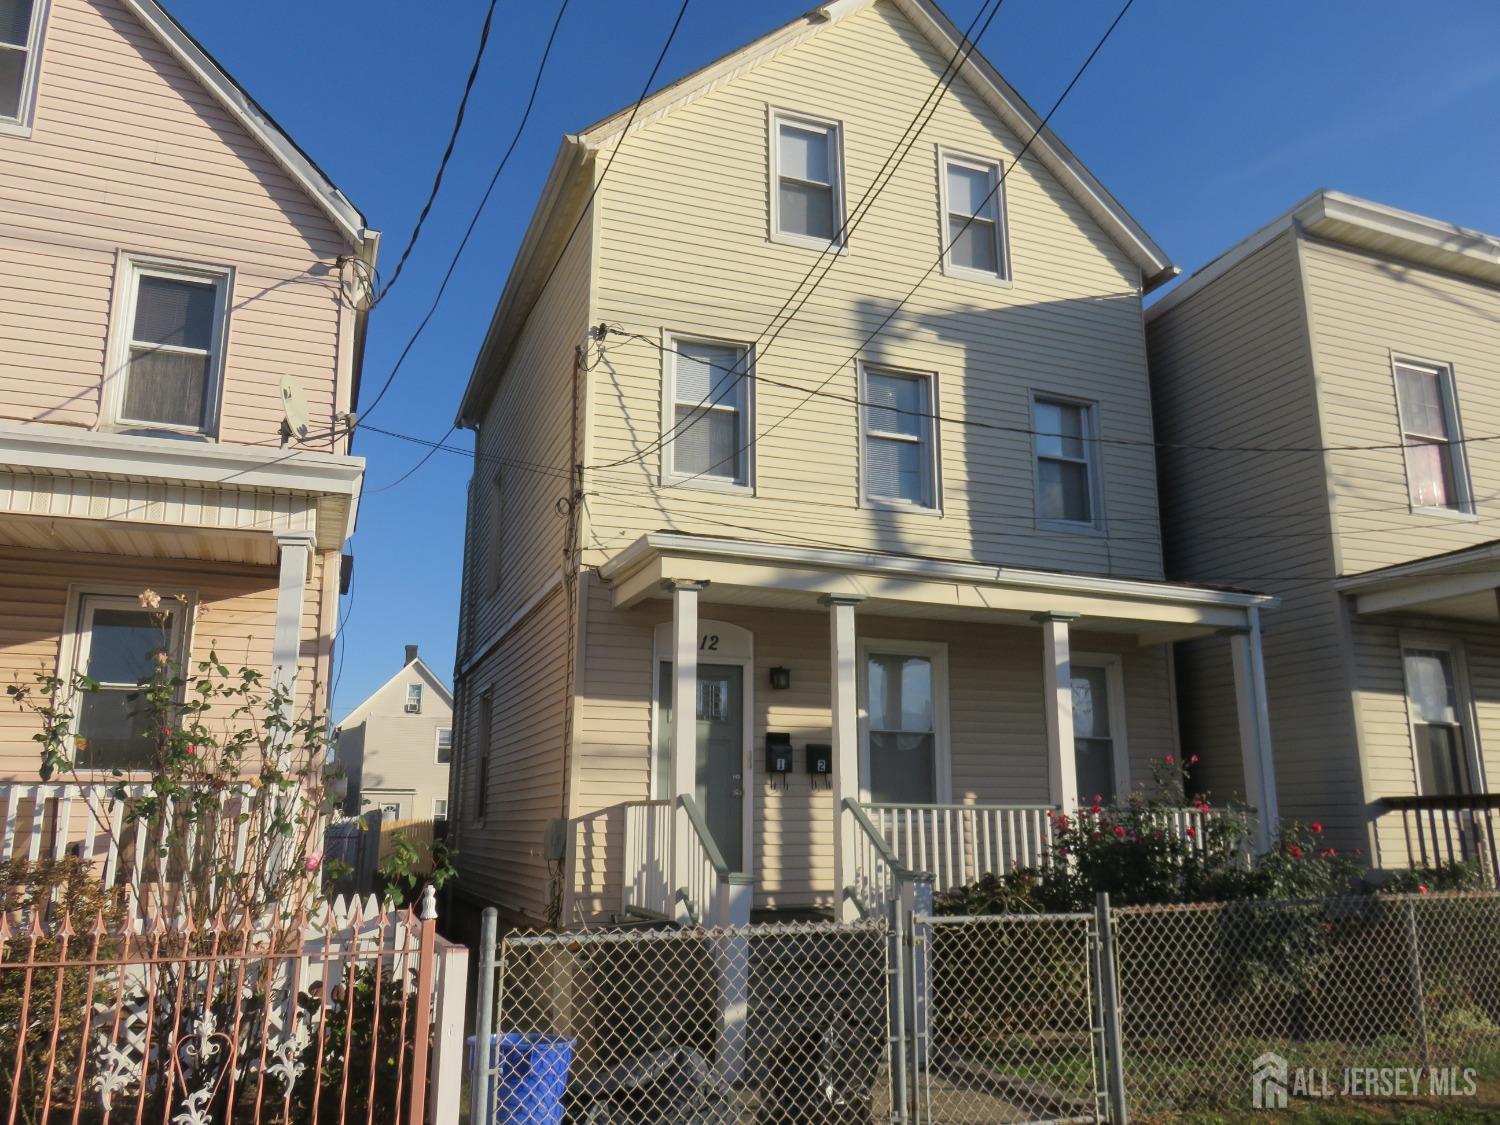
(1119, 830)
(1317, 827)
(1294, 851)
(1422, 889)
(1170, 759)
(1192, 832)
(1095, 809)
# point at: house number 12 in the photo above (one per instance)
(709, 642)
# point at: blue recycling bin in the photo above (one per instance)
(528, 1079)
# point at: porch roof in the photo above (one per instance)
(782, 576)
(1461, 585)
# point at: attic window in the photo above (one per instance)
(973, 219)
(20, 51)
(414, 699)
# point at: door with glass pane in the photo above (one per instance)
(720, 792)
(901, 705)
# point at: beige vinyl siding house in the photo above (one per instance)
(173, 271)
(1297, 338)
(822, 520)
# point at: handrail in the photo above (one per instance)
(711, 886)
(876, 865)
(1443, 801)
(700, 827)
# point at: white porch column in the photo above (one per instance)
(1255, 729)
(291, 593)
(844, 782)
(1057, 699)
(684, 731)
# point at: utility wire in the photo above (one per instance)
(473, 220)
(753, 353)
(890, 316)
(437, 180)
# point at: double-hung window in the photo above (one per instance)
(171, 347)
(444, 753)
(1098, 729)
(440, 808)
(414, 699)
(898, 456)
(904, 693)
(807, 203)
(707, 418)
(1066, 485)
(20, 50)
(974, 219)
(117, 645)
(1436, 711)
(1436, 468)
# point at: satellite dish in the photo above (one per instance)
(293, 408)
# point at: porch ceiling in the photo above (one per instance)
(1462, 586)
(774, 576)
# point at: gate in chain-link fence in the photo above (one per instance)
(752, 1024)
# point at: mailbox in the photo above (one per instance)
(778, 752)
(819, 759)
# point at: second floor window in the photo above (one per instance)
(1065, 453)
(807, 203)
(973, 212)
(897, 456)
(1436, 469)
(172, 348)
(444, 745)
(708, 419)
(20, 42)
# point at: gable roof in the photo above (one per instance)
(1366, 225)
(253, 117)
(358, 713)
(561, 198)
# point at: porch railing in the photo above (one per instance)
(1459, 828)
(959, 843)
(879, 875)
(712, 894)
(648, 858)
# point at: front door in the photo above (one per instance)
(721, 752)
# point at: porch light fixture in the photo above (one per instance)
(781, 678)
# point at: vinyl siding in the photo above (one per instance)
(237, 621)
(1232, 366)
(996, 722)
(1364, 309)
(129, 153)
(500, 858)
(683, 246)
(1381, 692)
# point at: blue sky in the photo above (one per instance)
(1205, 119)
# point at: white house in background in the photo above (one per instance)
(394, 747)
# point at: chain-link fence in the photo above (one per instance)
(1327, 988)
(1164, 1010)
(1013, 1028)
(759, 1024)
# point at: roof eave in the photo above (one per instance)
(517, 298)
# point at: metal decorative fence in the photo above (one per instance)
(746, 1024)
(323, 1019)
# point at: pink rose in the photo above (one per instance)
(313, 861)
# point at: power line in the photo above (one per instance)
(437, 180)
(879, 328)
(473, 220)
(436, 445)
(980, 424)
(968, 43)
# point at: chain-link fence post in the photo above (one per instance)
(1419, 991)
(482, 1068)
(898, 923)
(1109, 1004)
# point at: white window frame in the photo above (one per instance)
(933, 461)
(993, 168)
(21, 124)
(440, 814)
(407, 708)
(75, 641)
(1114, 679)
(775, 118)
(1468, 718)
(130, 269)
(437, 746)
(1091, 459)
(745, 482)
(942, 751)
(1457, 449)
